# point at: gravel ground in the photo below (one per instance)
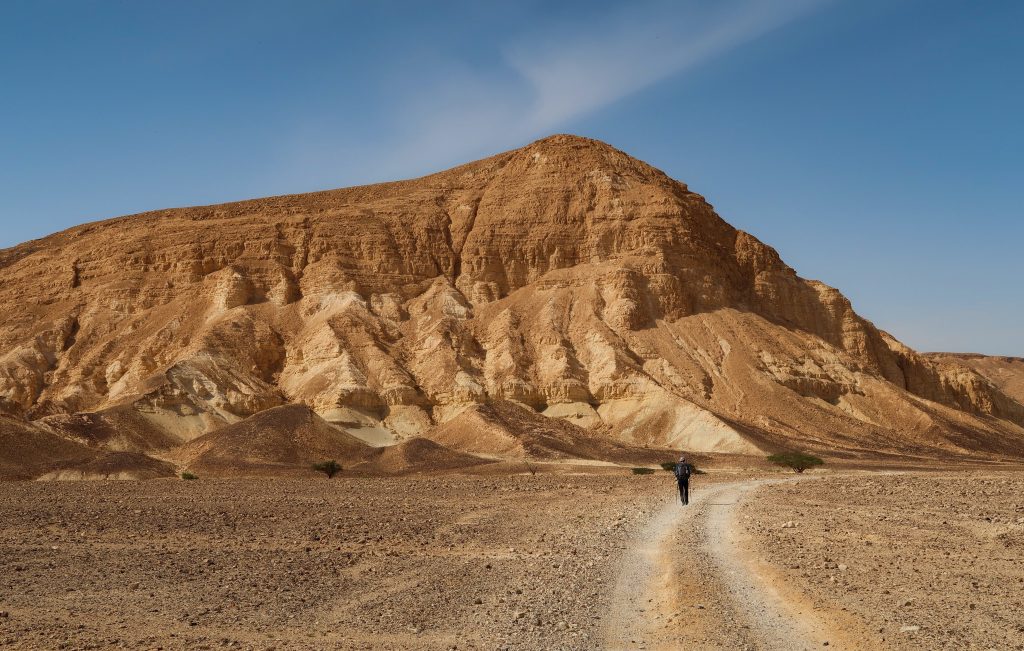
(523, 562)
(927, 561)
(508, 562)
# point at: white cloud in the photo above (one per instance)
(552, 75)
(572, 74)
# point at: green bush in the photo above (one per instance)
(643, 471)
(798, 461)
(188, 476)
(329, 468)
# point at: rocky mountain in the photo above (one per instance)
(565, 276)
(1006, 373)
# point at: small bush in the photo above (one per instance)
(188, 476)
(329, 468)
(643, 471)
(798, 461)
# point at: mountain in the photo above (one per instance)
(1006, 373)
(565, 276)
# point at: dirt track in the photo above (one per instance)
(689, 582)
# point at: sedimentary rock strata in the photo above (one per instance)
(565, 276)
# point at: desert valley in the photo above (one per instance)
(499, 358)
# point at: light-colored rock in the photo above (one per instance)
(564, 276)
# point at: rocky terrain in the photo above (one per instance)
(551, 561)
(565, 277)
(929, 561)
(455, 563)
(1007, 373)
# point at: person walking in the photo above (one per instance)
(683, 471)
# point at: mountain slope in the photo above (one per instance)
(1006, 373)
(565, 276)
(284, 438)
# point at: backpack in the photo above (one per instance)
(682, 470)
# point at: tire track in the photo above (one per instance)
(688, 582)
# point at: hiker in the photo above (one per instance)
(683, 471)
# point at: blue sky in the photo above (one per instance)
(877, 144)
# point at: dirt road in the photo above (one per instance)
(688, 582)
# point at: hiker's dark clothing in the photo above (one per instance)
(682, 472)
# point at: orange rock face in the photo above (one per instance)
(566, 276)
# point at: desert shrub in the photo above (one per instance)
(643, 471)
(329, 468)
(188, 476)
(798, 461)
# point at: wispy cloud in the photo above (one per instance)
(572, 74)
(560, 72)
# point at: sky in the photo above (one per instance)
(877, 144)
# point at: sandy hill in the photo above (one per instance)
(113, 465)
(417, 455)
(507, 430)
(26, 451)
(565, 276)
(285, 438)
(119, 428)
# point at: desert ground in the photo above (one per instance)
(759, 560)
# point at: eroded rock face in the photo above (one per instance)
(565, 276)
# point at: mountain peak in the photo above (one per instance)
(566, 276)
(570, 140)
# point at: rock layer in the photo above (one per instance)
(565, 276)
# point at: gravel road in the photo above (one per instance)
(688, 580)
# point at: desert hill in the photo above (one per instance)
(565, 276)
(417, 455)
(506, 430)
(291, 438)
(1006, 373)
(287, 438)
(113, 465)
(27, 451)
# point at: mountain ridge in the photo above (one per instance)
(565, 275)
